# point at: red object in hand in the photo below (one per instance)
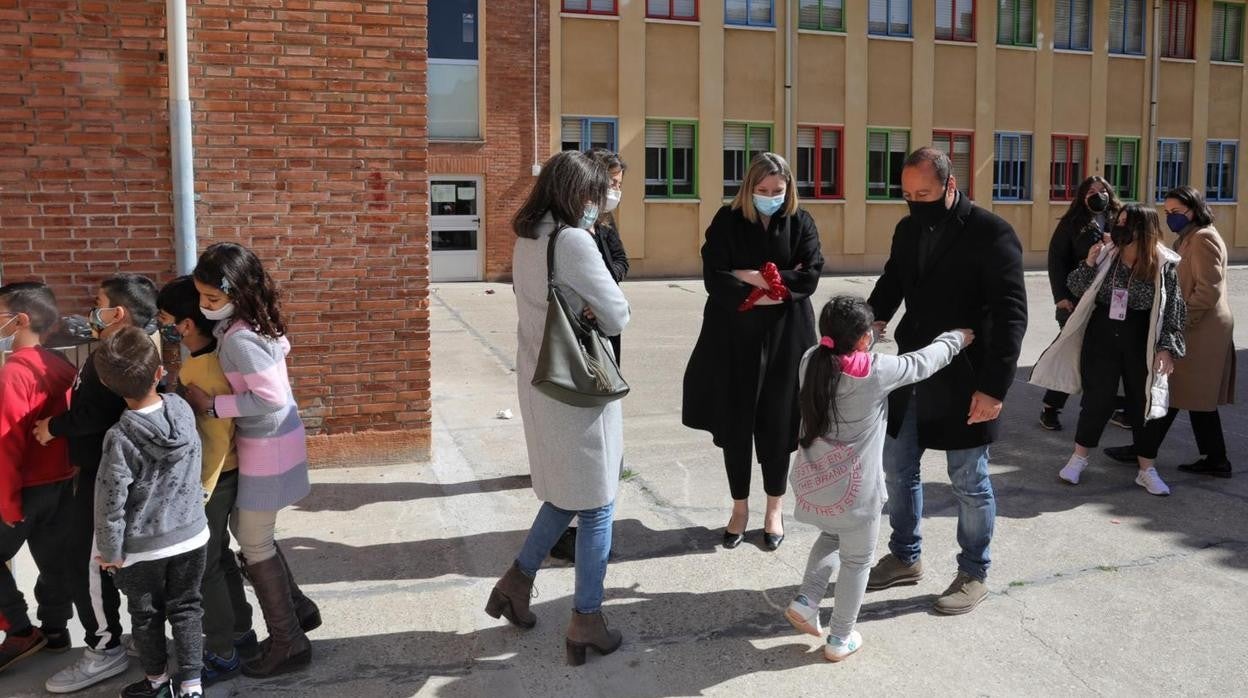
(777, 292)
(4, 623)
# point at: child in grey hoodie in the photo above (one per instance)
(838, 470)
(150, 525)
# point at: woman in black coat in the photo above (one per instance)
(760, 263)
(606, 234)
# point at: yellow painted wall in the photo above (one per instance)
(590, 78)
(953, 93)
(673, 241)
(672, 76)
(830, 220)
(819, 94)
(1174, 113)
(1072, 93)
(1016, 99)
(1224, 99)
(890, 66)
(881, 222)
(750, 77)
(1127, 89)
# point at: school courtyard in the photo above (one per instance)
(1098, 589)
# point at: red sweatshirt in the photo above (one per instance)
(34, 384)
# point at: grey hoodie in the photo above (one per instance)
(148, 493)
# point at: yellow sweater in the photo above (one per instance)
(204, 371)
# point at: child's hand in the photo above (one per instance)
(42, 434)
(968, 337)
(200, 401)
(109, 566)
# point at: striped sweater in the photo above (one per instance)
(268, 433)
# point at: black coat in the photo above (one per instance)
(613, 255)
(93, 410)
(745, 363)
(1067, 248)
(974, 279)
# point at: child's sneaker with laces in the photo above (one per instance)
(837, 649)
(218, 668)
(143, 688)
(803, 616)
(15, 647)
(1074, 469)
(1151, 481)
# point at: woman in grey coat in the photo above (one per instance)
(574, 452)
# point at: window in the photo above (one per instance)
(824, 15)
(819, 164)
(671, 159)
(1126, 27)
(1171, 166)
(1177, 18)
(1016, 22)
(1121, 160)
(886, 153)
(753, 13)
(741, 143)
(1012, 180)
(958, 145)
(588, 7)
(889, 18)
(1220, 163)
(955, 20)
(1069, 167)
(1228, 32)
(672, 9)
(454, 110)
(1073, 28)
(583, 133)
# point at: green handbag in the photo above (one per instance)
(576, 365)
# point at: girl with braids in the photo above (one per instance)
(838, 473)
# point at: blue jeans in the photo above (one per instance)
(968, 473)
(593, 545)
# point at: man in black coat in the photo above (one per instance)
(955, 265)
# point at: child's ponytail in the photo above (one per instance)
(842, 323)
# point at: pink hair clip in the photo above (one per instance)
(827, 342)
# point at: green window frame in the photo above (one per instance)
(1016, 22)
(1228, 32)
(1122, 166)
(671, 174)
(822, 15)
(754, 138)
(886, 154)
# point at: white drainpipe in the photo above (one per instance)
(180, 149)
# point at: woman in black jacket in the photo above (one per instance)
(760, 264)
(1090, 215)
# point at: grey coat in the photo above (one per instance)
(574, 452)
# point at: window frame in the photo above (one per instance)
(1072, 183)
(1090, 22)
(1015, 42)
(749, 5)
(1029, 193)
(1213, 39)
(671, 4)
(587, 122)
(615, 9)
(820, 195)
(954, 23)
(888, 169)
(1143, 30)
(1168, 39)
(1125, 194)
(821, 27)
(1222, 145)
(671, 159)
(1184, 165)
(966, 187)
(749, 129)
(888, 13)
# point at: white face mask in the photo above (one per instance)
(225, 312)
(613, 199)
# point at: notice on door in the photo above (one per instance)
(443, 193)
(467, 193)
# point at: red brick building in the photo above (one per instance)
(311, 147)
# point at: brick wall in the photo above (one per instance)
(311, 148)
(505, 158)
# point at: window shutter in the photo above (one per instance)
(658, 8)
(962, 160)
(945, 21)
(1061, 154)
(940, 141)
(736, 11)
(805, 137)
(1005, 22)
(760, 11)
(877, 141)
(601, 5)
(1062, 35)
(1112, 146)
(877, 17)
(899, 142)
(808, 14)
(734, 136)
(760, 139)
(602, 134)
(1234, 42)
(682, 136)
(1026, 21)
(1135, 26)
(576, 5)
(571, 131)
(685, 9)
(899, 17)
(834, 14)
(656, 134)
(1128, 153)
(1081, 24)
(1077, 155)
(1117, 26)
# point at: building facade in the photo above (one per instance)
(1028, 96)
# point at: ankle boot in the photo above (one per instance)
(306, 610)
(589, 630)
(510, 598)
(287, 648)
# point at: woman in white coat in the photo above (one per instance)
(574, 452)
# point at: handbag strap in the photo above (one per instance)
(550, 256)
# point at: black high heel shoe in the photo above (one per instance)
(772, 540)
(732, 540)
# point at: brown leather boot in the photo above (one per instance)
(287, 648)
(306, 610)
(510, 598)
(589, 630)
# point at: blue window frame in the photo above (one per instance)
(750, 13)
(890, 18)
(1012, 175)
(1172, 165)
(1127, 19)
(585, 132)
(1221, 159)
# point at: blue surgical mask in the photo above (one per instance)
(1177, 222)
(768, 205)
(588, 218)
(171, 334)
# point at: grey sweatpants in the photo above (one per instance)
(157, 590)
(853, 552)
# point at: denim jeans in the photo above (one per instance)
(968, 473)
(593, 545)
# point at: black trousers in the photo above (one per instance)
(1113, 351)
(95, 595)
(1206, 427)
(160, 590)
(739, 462)
(1056, 398)
(45, 512)
(615, 344)
(226, 611)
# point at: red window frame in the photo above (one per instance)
(818, 160)
(953, 23)
(1173, 8)
(1071, 184)
(969, 186)
(697, 11)
(615, 9)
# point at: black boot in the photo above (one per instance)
(565, 547)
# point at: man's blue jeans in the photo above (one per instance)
(968, 473)
(593, 546)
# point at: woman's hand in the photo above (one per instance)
(42, 434)
(752, 277)
(1066, 305)
(968, 337)
(200, 401)
(588, 313)
(881, 330)
(1094, 252)
(1163, 364)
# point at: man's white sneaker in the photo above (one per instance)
(93, 667)
(1151, 481)
(803, 617)
(1074, 468)
(837, 649)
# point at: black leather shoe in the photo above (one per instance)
(772, 540)
(1049, 419)
(565, 547)
(1122, 454)
(732, 540)
(1204, 466)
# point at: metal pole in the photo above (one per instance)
(790, 151)
(1150, 176)
(180, 149)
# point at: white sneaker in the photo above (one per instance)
(1151, 481)
(93, 667)
(1074, 468)
(803, 617)
(837, 649)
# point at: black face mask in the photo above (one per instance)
(1121, 236)
(929, 214)
(1098, 202)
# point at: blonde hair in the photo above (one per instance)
(762, 166)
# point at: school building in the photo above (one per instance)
(1029, 97)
